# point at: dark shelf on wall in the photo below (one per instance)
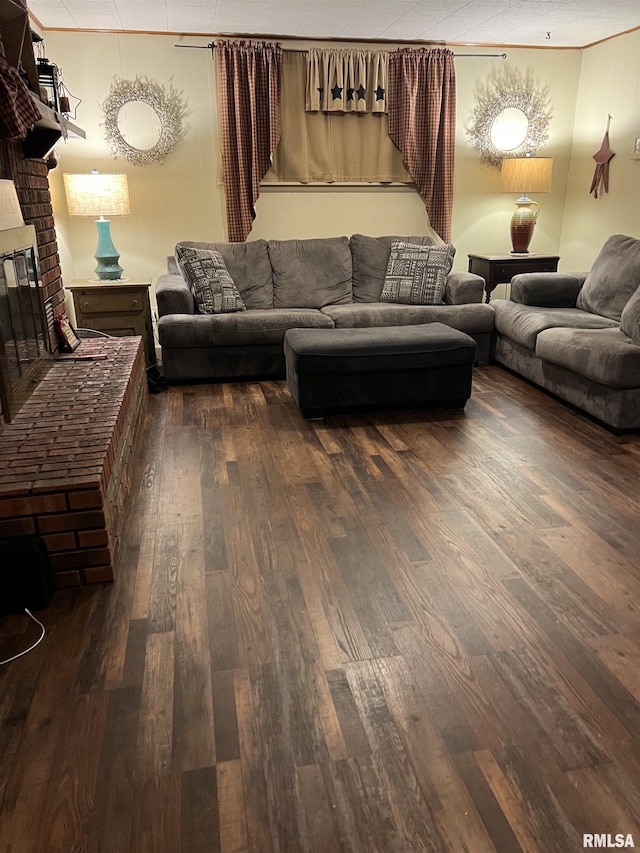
(15, 33)
(48, 130)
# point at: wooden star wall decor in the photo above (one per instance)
(603, 157)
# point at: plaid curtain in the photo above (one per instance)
(249, 81)
(422, 115)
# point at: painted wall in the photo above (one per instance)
(183, 198)
(482, 213)
(175, 200)
(609, 84)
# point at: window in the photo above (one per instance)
(330, 147)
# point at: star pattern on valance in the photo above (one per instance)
(346, 80)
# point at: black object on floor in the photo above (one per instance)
(155, 380)
(26, 576)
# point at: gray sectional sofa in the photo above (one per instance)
(331, 282)
(577, 335)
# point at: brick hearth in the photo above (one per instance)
(66, 459)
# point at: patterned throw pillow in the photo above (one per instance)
(209, 281)
(417, 275)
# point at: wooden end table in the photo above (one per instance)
(500, 269)
(117, 308)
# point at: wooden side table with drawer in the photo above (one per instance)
(116, 307)
(500, 269)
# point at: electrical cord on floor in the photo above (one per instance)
(92, 333)
(31, 648)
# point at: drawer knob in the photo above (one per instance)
(86, 304)
(134, 304)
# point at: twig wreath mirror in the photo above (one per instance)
(143, 122)
(511, 117)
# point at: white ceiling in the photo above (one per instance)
(552, 23)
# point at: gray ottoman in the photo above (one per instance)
(410, 366)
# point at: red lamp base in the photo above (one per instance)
(523, 223)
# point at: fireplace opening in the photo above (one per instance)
(24, 343)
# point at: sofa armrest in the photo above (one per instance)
(630, 318)
(173, 296)
(547, 289)
(463, 287)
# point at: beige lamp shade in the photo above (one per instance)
(526, 174)
(95, 194)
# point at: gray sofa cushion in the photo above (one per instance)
(613, 278)
(310, 273)
(173, 295)
(466, 318)
(249, 267)
(523, 323)
(463, 287)
(607, 356)
(370, 260)
(630, 318)
(617, 407)
(374, 351)
(548, 289)
(248, 327)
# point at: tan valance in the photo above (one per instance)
(327, 147)
(349, 81)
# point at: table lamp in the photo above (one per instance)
(525, 175)
(100, 195)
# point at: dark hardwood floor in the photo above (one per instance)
(387, 632)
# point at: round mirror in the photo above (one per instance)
(139, 125)
(142, 120)
(511, 116)
(509, 129)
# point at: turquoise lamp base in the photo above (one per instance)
(106, 254)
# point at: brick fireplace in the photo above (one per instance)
(67, 458)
